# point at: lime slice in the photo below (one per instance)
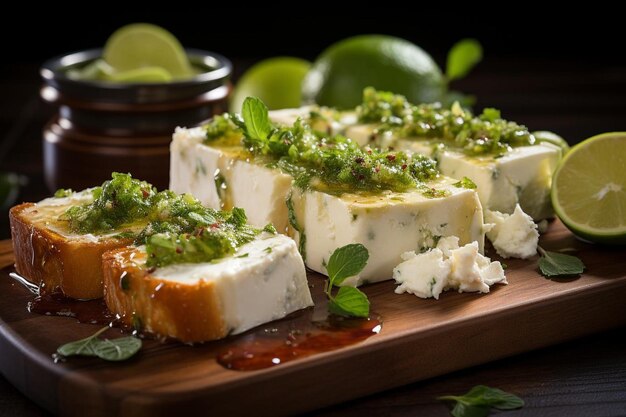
(141, 75)
(142, 45)
(589, 189)
(276, 81)
(545, 136)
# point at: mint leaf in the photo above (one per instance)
(107, 349)
(346, 262)
(554, 264)
(350, 302)
(465, 410)
(82, 347)
(256, 119)
(480, 399)
(465, 183)
(116, 350)
(463, 56)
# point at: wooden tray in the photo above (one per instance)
(419, 339)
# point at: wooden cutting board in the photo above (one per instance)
(419, 339)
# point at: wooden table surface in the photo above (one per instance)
(586, 377)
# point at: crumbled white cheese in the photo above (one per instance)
(424, 275)
(447, 266)
(513, 235)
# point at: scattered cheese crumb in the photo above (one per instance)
(513, 235)
(445, 267)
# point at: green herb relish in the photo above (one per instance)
(335, 164)
(178, 228)
(487, 134)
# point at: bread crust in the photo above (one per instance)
(55, 262)
(189, 313)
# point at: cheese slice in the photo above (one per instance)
(388, 224)
(263, 281)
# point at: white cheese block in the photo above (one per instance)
(387, 224)
(259, 190)
(523, 175)
(264, 280)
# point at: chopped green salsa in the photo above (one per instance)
(315, 159)
(177, 228)
(487, 134)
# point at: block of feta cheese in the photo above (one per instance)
(523, 175)
(223, 179)
(51, 256)
(448, 266)
(512, 235)
(387, 224)
(263, 280)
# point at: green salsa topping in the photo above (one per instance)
(221, 237)
(332, 163)
(177, 228)
(487, 134)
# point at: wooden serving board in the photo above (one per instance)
(419, 339)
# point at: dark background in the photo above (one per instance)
(563, 71)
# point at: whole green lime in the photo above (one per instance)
(339, 75)
(276, 81)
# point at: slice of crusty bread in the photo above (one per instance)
(53, 258)
(264, 281)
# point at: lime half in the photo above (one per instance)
(589, 189)
(142, 45)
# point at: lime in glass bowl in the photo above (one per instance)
(117, 107)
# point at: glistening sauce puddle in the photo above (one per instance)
(299, 335)
(56, 304)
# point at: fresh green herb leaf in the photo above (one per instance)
(479, 401)
(62, 192)
(268, 249)
(82, 347)
(463, 56)
(490, 114)
(117, 350)
(346, 262)
(256, 118)
(108, 349)
(554, 264)
(465, 183)
(243, 255)
(349, 301)
(269, 228)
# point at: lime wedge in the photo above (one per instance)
(141, 45)
(589, 189)
(141, 75)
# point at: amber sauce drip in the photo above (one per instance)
(56, 304)
(297, 336)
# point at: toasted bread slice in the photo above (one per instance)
(263, 281)
(50, 256)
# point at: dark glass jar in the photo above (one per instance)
(102, 127)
